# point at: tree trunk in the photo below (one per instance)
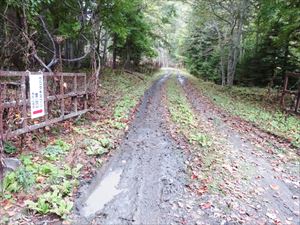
(235, 44)
(230, 69)
(221, 48)
(114, 66)
(104, 54)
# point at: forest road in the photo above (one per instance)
(263, 186)
(146, 173)
(146, 180)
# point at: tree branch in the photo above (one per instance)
(77, 59)
(50, 37)
(218, 16)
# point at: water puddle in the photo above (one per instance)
(103, 193)
(181, 80)
(163, 79)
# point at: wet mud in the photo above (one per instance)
(144, 177)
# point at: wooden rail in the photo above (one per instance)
(290, 92)
(22, 102)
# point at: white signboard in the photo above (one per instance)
(36, 82)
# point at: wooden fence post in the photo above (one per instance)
(75, 102)
(23, 97)
(2, 90)
(46, 94)
(62, 95)
(86, 94)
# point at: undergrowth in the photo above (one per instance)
(129, 88)
(201, 140)
(55, 182)
(181, 112)
(47, 176)
(249, 104)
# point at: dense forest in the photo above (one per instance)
(243, 42)
(80, 34)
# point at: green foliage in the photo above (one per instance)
(105, 142)
(10, 183)
(26, 160)
(183, 116)
(25, 177)
(63, 145)
(95, 147)
(61, 183)
(72, 172)
(117, 125)
(239, 101)
(64, 188)
(48, 169)
(51, 202)
(9, 148)
(54, 151)
(201, 139)
(21, 179)
(41, 206)
(180, 110)
(201, 57)
(269, 47)
(131, 32)
(121, 110)
(129, 91)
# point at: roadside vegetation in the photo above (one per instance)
(225, 170)
(47, 182)
(204, 145)
(253, 105)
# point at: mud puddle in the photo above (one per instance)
(97, 199)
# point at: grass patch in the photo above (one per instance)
(183, 116)
(208, 147)
(249, 104)
(180, 111)
(202, 142)
(127, 90)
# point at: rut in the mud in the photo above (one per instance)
(143, 177)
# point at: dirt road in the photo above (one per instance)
(263, 187)
(144, 176)
(146, 181)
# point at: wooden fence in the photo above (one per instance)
(65, 96)
(286, 91)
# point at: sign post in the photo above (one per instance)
(37, 103)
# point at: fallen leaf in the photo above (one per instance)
(202, 190)
(274, 187)
(271, 216)
(193, 177)
(40, 180)
(206, 205)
